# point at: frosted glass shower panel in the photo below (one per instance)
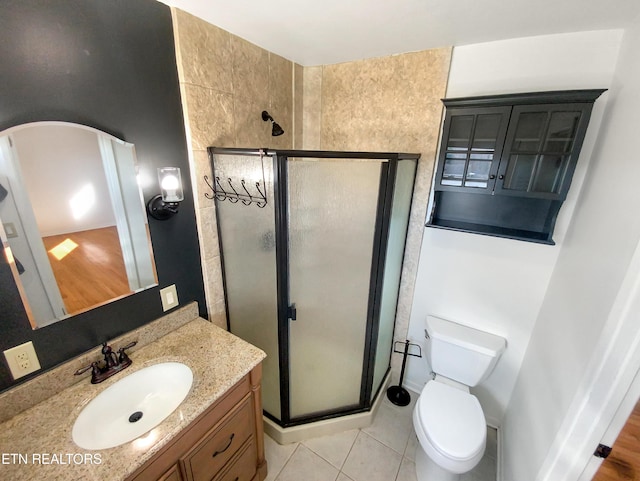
(332, 221)
(247, 235)
(399, 222)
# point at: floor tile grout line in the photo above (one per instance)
(406, 445)
(387, 445)
(399, 468)
(275, 478)
(345, 459)
(399, 411)
(350, 449)
(337, 474)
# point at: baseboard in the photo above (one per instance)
(412, 386)
(296, 434)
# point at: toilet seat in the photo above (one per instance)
(452, 421)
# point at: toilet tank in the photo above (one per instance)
(461, 353)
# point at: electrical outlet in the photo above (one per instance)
(22, 360)
(169, 297)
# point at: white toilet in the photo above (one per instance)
(447, 418)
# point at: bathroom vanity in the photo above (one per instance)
(221, 444)
(215, 434)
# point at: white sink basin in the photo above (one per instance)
(133, 406)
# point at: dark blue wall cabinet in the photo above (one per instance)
(506, 162)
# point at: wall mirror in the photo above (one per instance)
(73, 223)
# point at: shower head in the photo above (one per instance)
(275, 128)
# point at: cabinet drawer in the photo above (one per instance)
(210, 455)
(172, 475)
(243, 468)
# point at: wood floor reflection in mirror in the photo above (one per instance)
(90, 273)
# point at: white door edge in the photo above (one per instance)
(609, 377)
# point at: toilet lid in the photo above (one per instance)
(452, 420)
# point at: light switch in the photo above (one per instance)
(169, 297)
(10, 230)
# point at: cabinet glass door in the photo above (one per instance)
(471, 151)
(538, 149)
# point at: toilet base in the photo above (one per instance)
(428, 470)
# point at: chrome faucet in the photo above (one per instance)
(112, 363)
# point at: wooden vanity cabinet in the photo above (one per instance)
(225, 443)
(172, 475)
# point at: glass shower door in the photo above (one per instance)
(399, 222)
(332, 212)
(323, 246)
(247, 235)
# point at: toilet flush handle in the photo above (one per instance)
(426, 334)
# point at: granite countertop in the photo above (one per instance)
(37, 443)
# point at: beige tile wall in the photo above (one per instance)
(383, 104)
(298, 105)
(226, 83)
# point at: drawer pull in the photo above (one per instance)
(226, 447)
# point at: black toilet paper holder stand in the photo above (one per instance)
(397, 394)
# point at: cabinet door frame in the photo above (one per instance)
(505, 112)
(573, 153)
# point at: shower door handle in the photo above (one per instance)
(291, 312)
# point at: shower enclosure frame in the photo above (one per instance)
(285, 313)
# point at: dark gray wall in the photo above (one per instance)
(110, 65)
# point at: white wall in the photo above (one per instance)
(48, 154)
(32, 283)
(592, 262)
(497, 284)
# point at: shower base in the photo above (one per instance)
(326, 427)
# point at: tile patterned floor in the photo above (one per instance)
(385, 451)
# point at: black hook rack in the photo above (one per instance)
(231, 193)
(233, 196)
(397, 394)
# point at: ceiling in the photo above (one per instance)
(323, 32)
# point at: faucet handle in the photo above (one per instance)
(122, 356)
(94, 369)
(128, 346)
